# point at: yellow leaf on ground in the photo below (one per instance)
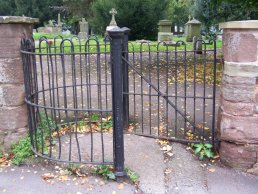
(212, 170)
(63, 178)
(121, 186)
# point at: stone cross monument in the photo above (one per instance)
(84, 29)
(112, 23)
(113, 12)
(59, 24)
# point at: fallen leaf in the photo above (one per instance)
(90, 188)
(47, 176)
(212, 170)
(101, 183)
(63, 178)
(121, 186)
(167, 171)
(170, 154)
(206, 128)
(167, 148)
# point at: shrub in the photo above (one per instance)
(140, 16)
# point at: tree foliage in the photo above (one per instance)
(212, 12)
(7, 7)
(31, 8)
(179, 10)
(37, 8)
(140, 16)
(75, 10)
(78, 8)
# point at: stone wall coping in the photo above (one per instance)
(17, 20)
(245, 24)
(241, 69)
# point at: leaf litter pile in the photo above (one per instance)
(93, 124)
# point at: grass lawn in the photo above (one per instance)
(37, 36)
(71, 44)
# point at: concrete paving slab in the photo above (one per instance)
(28, 180)
(187, 176)
(143, 155)
(229, 181)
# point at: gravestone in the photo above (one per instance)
(197, 45)
(58, 28)
(192, 28)
(165, 34)
(50, 28)
(84, 29)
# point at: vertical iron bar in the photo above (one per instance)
(166, 116)
(150, 68)
(125, 79)
(176, 88)
(134, 91)
(158, 98)
(194, 92)
(214, 91)
(141, 94)
(116, 35)
(185, 89)
(106, 76)
(204, 91)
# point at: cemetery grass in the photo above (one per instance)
(37, 36)
(98, 45)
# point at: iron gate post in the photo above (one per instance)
(125, 78)
(116, 43)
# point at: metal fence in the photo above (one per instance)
(82, 95)
(67, 85)
(172, 91)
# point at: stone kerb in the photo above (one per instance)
(13, 116)
(238, 113)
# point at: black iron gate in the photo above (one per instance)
(172, 91)
(82, 95)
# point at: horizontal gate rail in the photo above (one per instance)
(161, 94)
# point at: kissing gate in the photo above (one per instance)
(83, 95)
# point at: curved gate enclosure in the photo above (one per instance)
(68, 96)
(169, 93)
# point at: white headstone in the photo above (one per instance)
(84, 29)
